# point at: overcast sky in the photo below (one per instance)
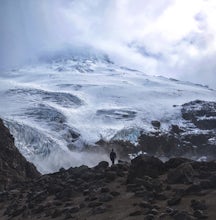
(173, 38)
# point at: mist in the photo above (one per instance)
(169, 38)
(62, 159)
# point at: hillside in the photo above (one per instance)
(145, 188)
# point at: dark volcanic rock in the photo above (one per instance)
(197, 139)
(156, 124)
(175, 129)
(201, 113)
(182, 216)
(174, 201)
(184, 173)
(198, 205)
(13, 166)
(102, 165)
(105, 197)
(144, 165)
(175, 162)
(159, 143)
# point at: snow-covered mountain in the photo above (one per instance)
(64, 102)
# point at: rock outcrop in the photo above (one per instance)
(13, 166)
(201, 113)
(196, 139)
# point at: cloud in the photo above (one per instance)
(168, 37)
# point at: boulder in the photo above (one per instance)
(184, 173)
(99, 209)
(102, 165)
(199, 214)
(144, 165)
(174, 201)
(198, 204)
(156, 124)
(183, 215)
(105, 197)
(175, 129)
(175, 162)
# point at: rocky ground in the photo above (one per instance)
(146, 188)
(143, 188)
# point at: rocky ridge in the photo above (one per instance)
(13, 166)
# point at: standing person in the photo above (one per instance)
(112, 156)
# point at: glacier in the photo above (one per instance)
(62, 103)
